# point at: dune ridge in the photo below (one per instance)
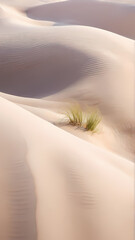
(109, 16)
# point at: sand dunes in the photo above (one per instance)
(59, 182)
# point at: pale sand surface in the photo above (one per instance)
(80, 189)
(59, 182)
(118, 139)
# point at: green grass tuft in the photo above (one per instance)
(75, 116)
(92, 121)
(89, 121)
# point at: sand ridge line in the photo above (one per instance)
(16, 16)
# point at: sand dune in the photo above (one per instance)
(62, 185)
(17, 17)
(59, 182)
(109, 16)
(113, 138)
(89, 65)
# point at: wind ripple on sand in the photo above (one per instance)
(20, 187)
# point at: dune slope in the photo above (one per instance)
(38, 67)
(75, 179)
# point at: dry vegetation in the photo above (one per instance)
(87, 120)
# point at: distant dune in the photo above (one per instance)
(59, 182)
(109, 16)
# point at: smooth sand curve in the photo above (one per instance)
(109, 16)
(87, 183)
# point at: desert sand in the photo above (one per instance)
(59, 182)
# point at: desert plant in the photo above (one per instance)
(92, 121)
(89, 121)
(75, 116)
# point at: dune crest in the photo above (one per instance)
(105, 15)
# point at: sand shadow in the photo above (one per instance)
(117, 18)
(45, 70)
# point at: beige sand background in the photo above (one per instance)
(58, 182)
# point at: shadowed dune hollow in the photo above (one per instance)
(46, 70)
